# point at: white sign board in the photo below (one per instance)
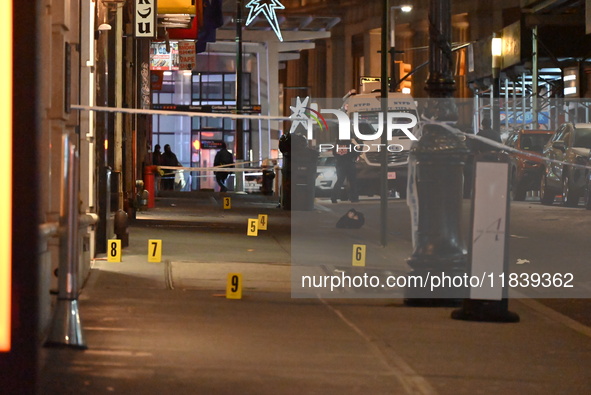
(145, 18)
(488, 229)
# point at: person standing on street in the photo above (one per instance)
(487, 131)
(156, 155)
(223, 157)
(168, 158)
(346, 156)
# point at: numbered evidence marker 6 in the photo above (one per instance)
(234, 286)
(227, 203)
(114, 250)
(154, 250)
(358, 255)
(263, 220)
(253, 227)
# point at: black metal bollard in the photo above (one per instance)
(299, 173)
(285, 148)
(439, 253)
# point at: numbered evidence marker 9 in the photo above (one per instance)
(114, 250)
(358, 255)
(253, 227)
(154, 250)
(263, 219)
(227, 203)
(234, 286)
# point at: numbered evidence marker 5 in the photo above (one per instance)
(234, 286)
(227, 203)
(114, 250)
(263, 220)
(253, 227)
(154, 250)
(358, 255)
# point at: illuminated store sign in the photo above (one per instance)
(145, 18)
(6, 180)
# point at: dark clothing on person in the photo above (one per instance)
(168, 158)
(267, 185)
(487, 132)
(345, 156)
(353, 219)
(156, 155)
(223, 157)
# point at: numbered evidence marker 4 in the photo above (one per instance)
(358, 255)
(234, 286)
(114, 250)
(227, 203)
(253, 227)
(263, 220)
(154, 250)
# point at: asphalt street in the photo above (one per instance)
(168, 327)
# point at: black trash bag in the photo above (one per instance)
(353, 219)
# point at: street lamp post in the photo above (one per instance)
(437, 176)
(393, 74)
(497, 53)
(388, 13)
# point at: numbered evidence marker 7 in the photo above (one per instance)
(263, 220)
(358, 255)
(114, 250)
(234, 286)
(227, 203)
(253, 227)
(154, 250)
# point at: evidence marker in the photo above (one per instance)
(114, 250)
(234, 286)
(263, 221)
(253, 227)
(154, 250)
(359, 255)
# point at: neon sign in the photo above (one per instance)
(268, 10)
(6, 165)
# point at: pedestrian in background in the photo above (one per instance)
(156, 155)
(223, 157)
(346, 157)
(168, 158)
(487, 131)
(268, 177)
(156, 160)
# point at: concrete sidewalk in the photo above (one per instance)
(163, 328)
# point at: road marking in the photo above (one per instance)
(412, 382)
(119, 353)
(554, 315)
(103, 328)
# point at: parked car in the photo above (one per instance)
(526, 170)
(570, 145)
(326, 174)
(326, 177)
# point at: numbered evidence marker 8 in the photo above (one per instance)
(234, 286)
(114, 250)
(253, 227)
(154, 250)
(358, 255)
(227, 203)
(263, 220)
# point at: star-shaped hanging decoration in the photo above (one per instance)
(299, 114)
(267, 7)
